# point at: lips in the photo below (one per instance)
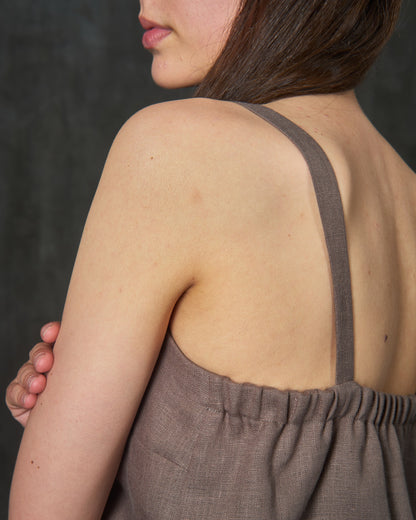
(154, 33)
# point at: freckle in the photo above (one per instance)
(385, 338)
(32, 462)
(289, 235)
(151, 158)
(196, 195)
(37, 467)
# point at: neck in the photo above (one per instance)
(318, 104)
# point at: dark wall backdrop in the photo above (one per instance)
(70, 74)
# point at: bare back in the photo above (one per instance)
(261, 310)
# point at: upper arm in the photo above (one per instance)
(137, 256)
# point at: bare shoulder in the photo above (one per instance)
(165, 140)
(184, 127)
(184, 122)
(196, 111)
(165, 148)
(212, 163)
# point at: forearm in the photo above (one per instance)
(69, 455)
(74, 440)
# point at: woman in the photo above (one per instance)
(212, 288)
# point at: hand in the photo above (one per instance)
(22, 392)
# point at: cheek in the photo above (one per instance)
(207, 24)
(200, 33)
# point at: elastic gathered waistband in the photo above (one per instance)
(187, 380)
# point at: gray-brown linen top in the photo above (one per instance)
(204, 447)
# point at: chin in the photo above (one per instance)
(171, 77)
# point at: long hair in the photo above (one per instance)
(282, 48)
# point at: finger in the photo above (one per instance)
(37, 384)
(26, 375)
(41, 357)
(49, 332)
(18, 400)
(30, 380)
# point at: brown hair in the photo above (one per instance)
(281, 48)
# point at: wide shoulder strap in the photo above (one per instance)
(332, 217)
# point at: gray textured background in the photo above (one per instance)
(70, 74)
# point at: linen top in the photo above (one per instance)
(203, 447)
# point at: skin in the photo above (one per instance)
(22, 392)
(199, 29)
(181, 60)
(251, 228)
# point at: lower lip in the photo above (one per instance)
(154, 36)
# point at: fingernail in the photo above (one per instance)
(45, 328)
(36, 360)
